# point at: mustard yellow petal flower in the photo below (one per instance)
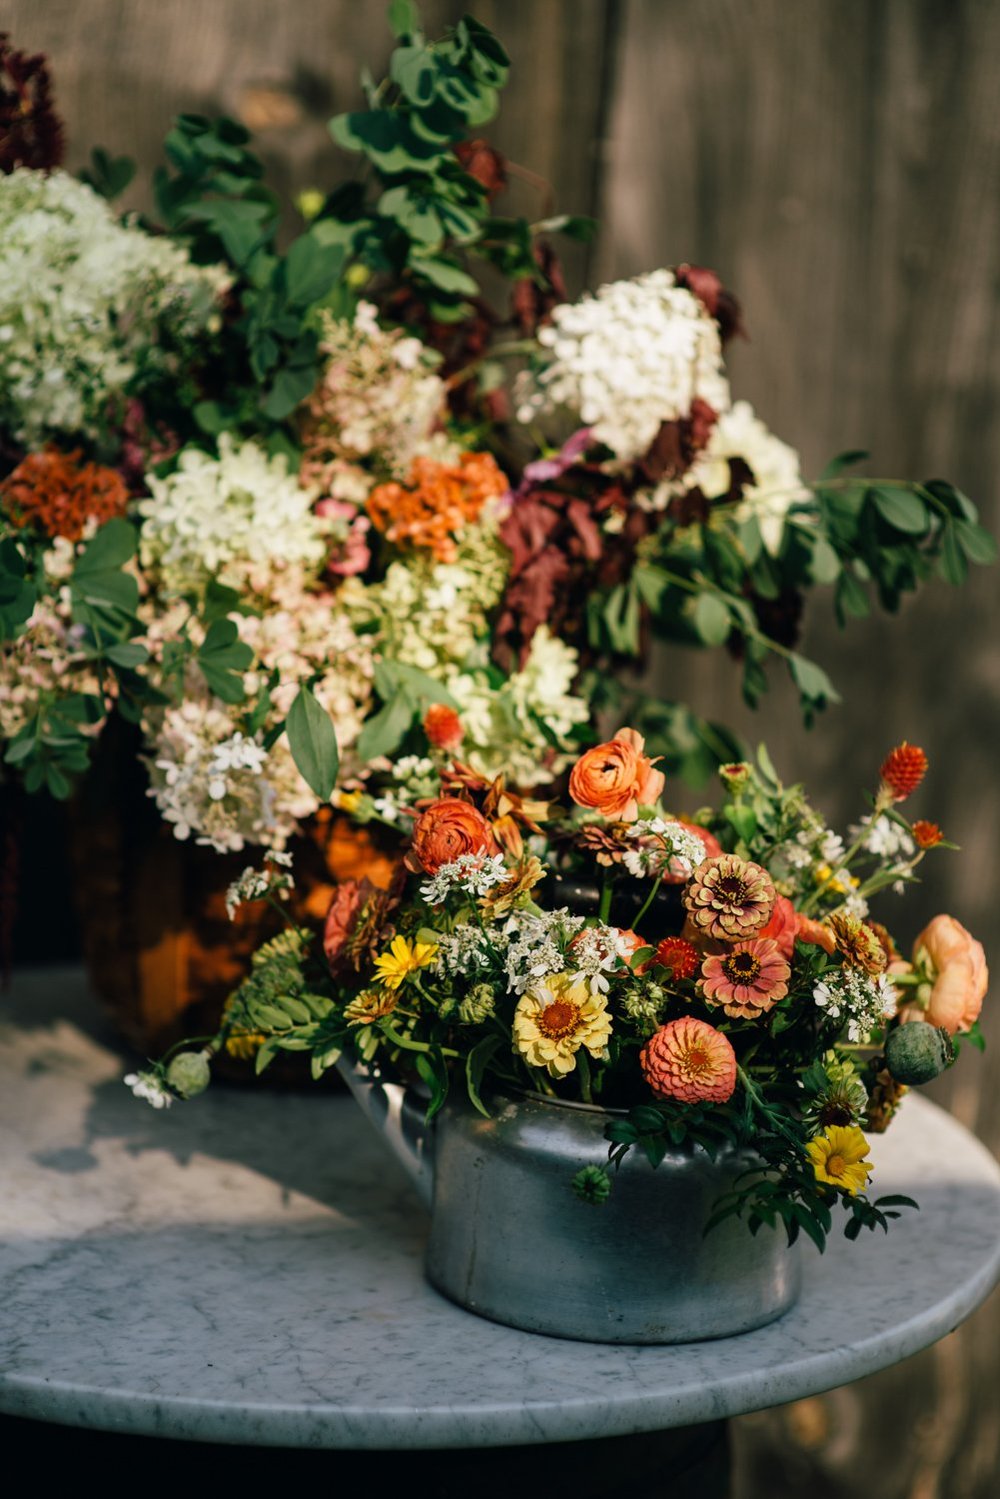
(555, 1018)
(838, 1157)
(402, 959)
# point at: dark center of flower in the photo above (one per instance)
(834, 1112)
(559, 1019)
(732, 889)
(741, 967)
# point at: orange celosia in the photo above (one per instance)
(902, 770)
(438, 500)
(54, 491)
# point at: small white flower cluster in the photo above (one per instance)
(254, 884)
(214, 782)
(536, 946)
(595, 952)
(472, 874)
(465, 951)
(82, 298)
(661, 842)
(237, 519)
(812, 846)
(884, 837)
(863, 1000)
(149, 1086)
(636, 354)
(776, 487)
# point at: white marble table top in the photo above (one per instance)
(247, 1268)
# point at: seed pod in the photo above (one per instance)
(917, 1052)
(189, 1074)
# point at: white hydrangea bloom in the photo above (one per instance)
(236, 518)
(776, 487)
(626, 359)
(503, 725)
(82, 297)
(863, 1001)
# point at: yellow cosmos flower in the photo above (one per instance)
(555, 1018)
(838, 1156)
(402, 959)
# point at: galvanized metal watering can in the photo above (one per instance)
(511, 1241)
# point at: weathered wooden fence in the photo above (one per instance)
(838, 161)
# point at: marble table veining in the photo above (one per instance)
(247, 1268)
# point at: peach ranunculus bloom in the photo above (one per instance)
(956, 966)
(616, 778)
(446, 829)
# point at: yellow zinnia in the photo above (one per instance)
(555, 1018)
(838, 1156)
(402, 959)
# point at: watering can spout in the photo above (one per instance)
(398, 1115)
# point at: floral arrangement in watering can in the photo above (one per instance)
(705, 984)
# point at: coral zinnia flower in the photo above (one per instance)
(553, 1020)
(677, 954)
(729, 898)
(690, 1060)
(902, 770)
(748, 980)
(838, 1156)
(402, 959)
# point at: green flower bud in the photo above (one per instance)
(735, 775)
(917, 1052)
(592, 1184)
(189, 1074)
(478, 1005)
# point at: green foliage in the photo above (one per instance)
(216, 200)
(282, 998)
(313, 743)
(406, 693)
(108, 175)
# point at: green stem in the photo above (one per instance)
(583, 1066)
(607, 891)
(406, 1043)
(649, 899)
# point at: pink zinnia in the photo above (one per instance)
(690, 1060)
(746, 981)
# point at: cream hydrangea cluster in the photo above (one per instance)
(776, 487)
(237, 518)
(511, 727)
(81, 296)
(377, 402)
(635, 354)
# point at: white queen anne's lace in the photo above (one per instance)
(634, 355)
(473, 874)
(864, 1002)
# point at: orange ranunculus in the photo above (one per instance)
(956, 964)
(616, 777)
(814, 933)
(782, 927)
(445, 830)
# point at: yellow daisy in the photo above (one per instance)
(555, 1018)
(838, 1156)
(402, 959)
